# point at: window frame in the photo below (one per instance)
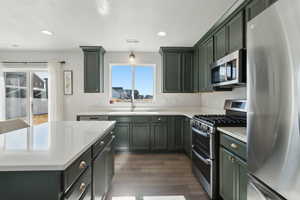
(133, 82)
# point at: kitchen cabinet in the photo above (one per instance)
(99, 175)
(93, 69)
(140, 137)
(255, 7)
(206, 58)
(236, 33)
(122, 131)
(159, 136)
(232, 169)
(177, 64)
(178, 133)
(196, 69)
(220, 43)
(187, 137)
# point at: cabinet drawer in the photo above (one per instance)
(100, 144)
(120, 118)
(92, 118)
(233, 145)
(142, 119)
(72, 173)
(159, 119)
(81, 187)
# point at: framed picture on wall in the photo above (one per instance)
(68, 82)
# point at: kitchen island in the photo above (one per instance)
(57, 160)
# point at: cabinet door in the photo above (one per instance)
(242, 180)
(122, 131)
(220, 43)
(187, 138)
(236, 34)
(209, 59)
(172, 79)
(187, 67)
(255, 8)
(196, 69)
(91, 71)
(202, 61)
(178, 133)
(159, 136)
(110, 164)
(140, 137)
(227, 175)
(99, 176)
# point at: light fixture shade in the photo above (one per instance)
(131, 57)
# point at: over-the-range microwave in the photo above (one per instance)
(230, 70)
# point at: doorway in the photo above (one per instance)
(26, 96)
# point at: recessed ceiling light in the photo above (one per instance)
(15, 45)
(46, 32)
(132, 41)
(161, 34)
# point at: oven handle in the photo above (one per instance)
(200, 132)
(205, 160)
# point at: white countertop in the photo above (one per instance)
(239, 133)
(188, 112)
(49, 146)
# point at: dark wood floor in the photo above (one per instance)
(155, 175)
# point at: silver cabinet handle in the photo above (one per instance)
(234, 146)
(102, 143)
(82, 165)
(82, 187)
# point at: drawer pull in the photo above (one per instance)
(102, 143)
(82, 187)
(159, 119)
(82, 165)
(111, 132)
(113, 136)
(234, 146)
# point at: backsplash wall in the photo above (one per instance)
(216, 99)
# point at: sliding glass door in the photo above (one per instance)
(26, 96)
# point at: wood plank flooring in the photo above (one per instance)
(154, 175)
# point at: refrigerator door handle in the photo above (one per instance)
(258, 191)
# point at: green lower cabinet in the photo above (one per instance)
(159, 136)
(122, 131)
(140, 137)
(187, 138)
(233, 176)
(178, 133)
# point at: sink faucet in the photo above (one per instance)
(132, 104)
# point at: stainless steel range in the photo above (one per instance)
(205, 142)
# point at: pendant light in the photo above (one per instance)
(131, 57)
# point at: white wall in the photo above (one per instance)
(82, 102)
(216, 100)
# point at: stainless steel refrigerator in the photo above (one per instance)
(273, 64)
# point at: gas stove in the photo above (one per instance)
(205, 142)
(221, 120)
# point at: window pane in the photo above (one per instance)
(16, 99)
(121, 83)
(40, 97)
(144, 83)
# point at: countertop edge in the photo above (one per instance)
(239, 136)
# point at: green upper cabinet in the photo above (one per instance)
(159, 136)
(196, 69)
(177, 69)
(255, 7)
(187, 75)
(206, 58)
(93, 69)
(220, 43)
(140, 137)
(236, 33)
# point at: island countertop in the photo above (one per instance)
(49, 146)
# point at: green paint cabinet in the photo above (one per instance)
(177, 64)
(220, 43)
(255, 7)
(196, 69)
(236, 33)
(232, 169)
(93, 69)
(187, 137)
(159, 136)
(122, 130)
(140, 137)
